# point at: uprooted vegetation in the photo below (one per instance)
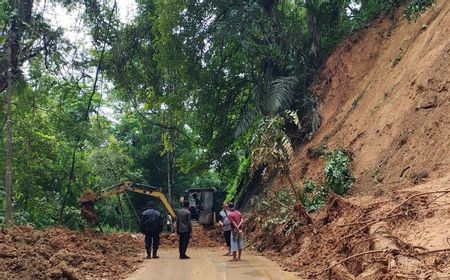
(358, 241)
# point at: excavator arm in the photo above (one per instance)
(88, 201)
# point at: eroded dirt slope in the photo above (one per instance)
(386, 98)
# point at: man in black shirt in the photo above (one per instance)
(151, 226)
(184, 228)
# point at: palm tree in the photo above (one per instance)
(272, 153)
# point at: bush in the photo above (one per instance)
(309, 186)
(337, 173)
(313, 197)
(277, 208)
(413, 10)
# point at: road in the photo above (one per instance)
(209, 264)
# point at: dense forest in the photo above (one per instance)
(183, 94)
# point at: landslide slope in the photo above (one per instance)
(386, 100)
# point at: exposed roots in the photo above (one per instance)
(355, 242)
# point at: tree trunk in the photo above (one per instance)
(299, 208)
(170, 171)
(71, 178)
(86, 120)
(12, 50)
(313, 29)
(9, 138)
(121, 212)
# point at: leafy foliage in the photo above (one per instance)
(242, 171)
(337, 173)
(414, 8)
(273, 148)
(276, 208)
(313, 197)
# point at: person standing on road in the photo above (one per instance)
(151, 226)
(237, 240)
(184, 229)
(226, 227)
(169, 224)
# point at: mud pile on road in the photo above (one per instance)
(201, 237)
(57, 253)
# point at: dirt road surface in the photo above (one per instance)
(209, 264)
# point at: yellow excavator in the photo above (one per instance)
(201, 201)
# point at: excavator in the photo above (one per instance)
(202, 201)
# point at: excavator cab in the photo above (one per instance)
(201, 205)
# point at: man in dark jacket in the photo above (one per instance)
(151, 226)
(184, 228)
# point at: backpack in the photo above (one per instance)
(150, 222)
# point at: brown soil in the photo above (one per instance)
(57, 253)
(386, 98)
(200, 238)
(89, 196)
(401, 236)
(385, 93)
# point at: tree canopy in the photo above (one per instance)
(176, 97)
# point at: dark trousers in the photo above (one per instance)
(227, 235)
(152, 239)
(184, 242)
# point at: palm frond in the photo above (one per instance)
(245, 122)
(275, 96)
(287, 146)
(293, 116)
(271, 97)
(281, 93)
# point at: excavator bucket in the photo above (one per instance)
(87, 202)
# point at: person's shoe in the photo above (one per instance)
(184, 257)
(148, 257)
(155, 257)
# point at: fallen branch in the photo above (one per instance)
(434, 251)
(351, 257)
(381, 219)
(413, 196)
(358, 230)
(436, 199)
(389, 214)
